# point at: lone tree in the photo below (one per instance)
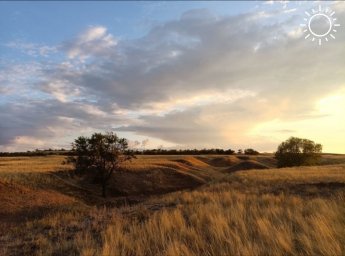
(297, 152)
(100, 155)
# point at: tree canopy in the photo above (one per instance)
(101, 155)
(296, 152)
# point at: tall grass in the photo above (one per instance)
(219, 221)
(295, 211)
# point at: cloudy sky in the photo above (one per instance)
(172, 74)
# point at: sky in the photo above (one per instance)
(235, 74)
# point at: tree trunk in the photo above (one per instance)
(104, 189)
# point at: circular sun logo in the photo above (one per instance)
(320, 25)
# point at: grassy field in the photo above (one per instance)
(174, 205)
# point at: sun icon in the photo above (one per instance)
(320, 24)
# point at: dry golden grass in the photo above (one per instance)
(293, 211)
(161, 174)
(186, 164)
(227, 223)
(297, 174)
(220, 219)
(32, 164)
(31, 171)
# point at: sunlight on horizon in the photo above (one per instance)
(328, 118)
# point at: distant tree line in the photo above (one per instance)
(213, 151)
(39, 152)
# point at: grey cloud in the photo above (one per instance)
(219, 54)
(206, 125)
(177, 127)
(42, 119)
(187, 57)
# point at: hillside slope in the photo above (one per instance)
(213, 211)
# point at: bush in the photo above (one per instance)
(298, 152)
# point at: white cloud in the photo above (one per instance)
(93, 33)
(31, 49)
(270, 2)
(95, 41)
(290, 10)
(26, 140)
(62, 90)
(196, 99)
(201, 80)
(338, 6)
(296, 33)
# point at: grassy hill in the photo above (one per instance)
(174, 205)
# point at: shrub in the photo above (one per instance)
(297, 152)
